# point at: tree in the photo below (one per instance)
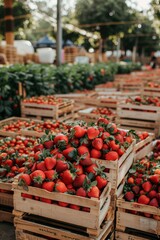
(156, 8)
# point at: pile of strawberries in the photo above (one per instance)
(152, 101)
(103, 111)
(49, 100)
(16, 125)
(64, 163)
(143, 182)
(14, 153)
(153, 85)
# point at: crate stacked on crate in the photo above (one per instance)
(11, 54)
(141, 114)
(47, 107)
(93, 114)
(151, 89)
(14, 126)
(138, 213)
(70, 53)
(132, 85)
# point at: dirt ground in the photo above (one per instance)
(7, 231)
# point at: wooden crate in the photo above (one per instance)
(47, 111)
(87, 115)
(119, 168)
(139, 117)
(6, 197)
(119, 94)
(10, 121)
(6, 214)
(92, 220)
(126, 219)
(131, 235)
(150, 92)
(31, 227)
(131, 86)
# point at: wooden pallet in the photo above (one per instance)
(127, 219)
(131, 235)
(46, 111)
(30, 227)
(92, 220)
(9, 121)
(87, 115)
(139, 117)
(119, 168)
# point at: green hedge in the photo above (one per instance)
(45, 79)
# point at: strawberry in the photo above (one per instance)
(74, 142)
(61, 140)
(60, 187)
(37, 176)
(49, 186)
(78, 131)
(136, 189)
(152, 194)
(145, 135)
(154, 178)
(46, 200)
(148, 215)
(25, 195)
(79, 180)
(70, 153)
(73, 206)
(85, 161)
(61, 166)
(147, 186)
(93, 192)
(48, 144)
(138, 181)
(97, 143)
(102, 121)
(105, 135)
(154, 202)
(79, 168)
(121, 151)
(85, 209)
(130, 180)
(101, 181)
(119, 137)
(50, 162)
(143, 199)
(24, 180)
(129, 196)
(51, 174)
(92, 133)
(41, 166)
(92, 168)
(3, 172)
(62, 204)
(95, 153)
(111, 156)
(38, 147)
(81, 192)
(67, 176)
(113, 145)
(83, 150)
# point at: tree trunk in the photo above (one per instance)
(9, 21)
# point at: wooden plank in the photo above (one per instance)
(127, 236)
(6, 216)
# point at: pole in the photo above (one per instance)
(9, 21)
(118, 49)
(59, 34)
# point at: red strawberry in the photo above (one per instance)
(158, 198)
(143, 199)
(51, 174)
(73, 206)
(121, 151)
(102, 121)
(85, 209)
(3, 172)
(46, 200)
(38, 147)
(148, 215)
(79, 168)
(61, 166)
(78, 131)
(119, 137)
(50, 162)
(113, 145)
(154, 202)
(92, 168)
(129, 196)
(152, 194)
(61, 140)
(49, 186)
(93, 192)
(111, 156)
(74, 142)
(95, 153)
(138, 181)
(147, 186)
(83, 150)
(41, 166)
(25, 195)
(67, 176)
(85, 161)
(60, 187)
(48, 144)
(70, 153)
(101, 181)
(97, 143)
(92, 133)
(81, 192)
(155, 178)
(105, 135)
(24, 180)
(145, 135)
(37, 176)
(62, 204)
(79, 180)
(136, 189)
